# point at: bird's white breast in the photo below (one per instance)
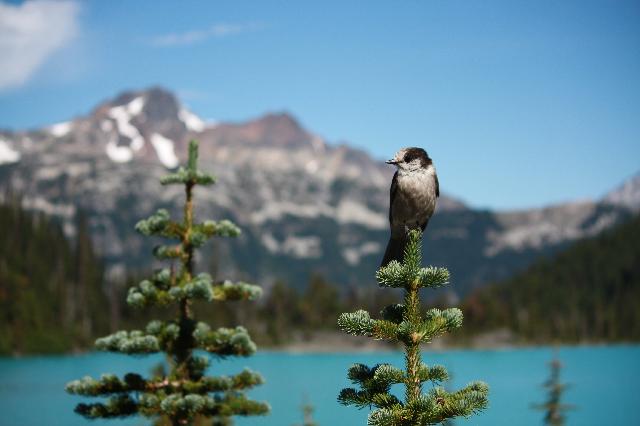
(416, 197)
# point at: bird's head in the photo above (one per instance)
(410, 159)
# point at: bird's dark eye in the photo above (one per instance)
(408, 157)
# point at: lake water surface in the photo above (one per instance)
(605, 384)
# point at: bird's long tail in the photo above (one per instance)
(395, 249)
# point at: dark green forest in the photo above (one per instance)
(589, 292)
(53, 297)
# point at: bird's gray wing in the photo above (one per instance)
(437, 186)
(392, 195)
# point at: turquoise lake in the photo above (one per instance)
(605, 384)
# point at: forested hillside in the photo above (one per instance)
(51, 298)
(590, 292)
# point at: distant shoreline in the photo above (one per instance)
(337, 342)
(332, 342)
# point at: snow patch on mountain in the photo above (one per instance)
(136, 106)
(165, 149)
(192, 121)
(123, 115)
(353, 255)
(274, 211)
(7, 154)
(349, 211)
(61, 129)
(346, 212)
(311, 166)
(118, 153)
(301, 247)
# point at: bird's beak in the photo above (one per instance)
(392, 161)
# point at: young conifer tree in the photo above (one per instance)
(554, 409)
(406, 324)
(184, 395)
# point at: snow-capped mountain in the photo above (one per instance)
(305, 205)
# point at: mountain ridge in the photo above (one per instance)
(306, 205)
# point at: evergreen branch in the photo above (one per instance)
(178, 406)
(436, 373)
(223, 228)
(350, 396)
(393, 313)
(236, 291)
(106, 385)
(246, 379)
(151, 292)
(433, 277)
(111, 384)
(160, 224)
(197, 365)
(394, 275)
(224, 341)
(375, 383)
(184, 407)
(385, 330)
(385, 375)
(359, 373)
(133, 342)
(117, 406)
(155, 292)
(388, 416)
(363, 398)
(423, 410)
(358, 323)
(438, 321)
(385, 400)
(235, 404)
(165, 332)
(465, 402)
(163, 252)
(209, 228)
(200, 287)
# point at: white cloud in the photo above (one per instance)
(197, 36)
(30, 33)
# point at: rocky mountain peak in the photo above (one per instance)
(147, 125)
(275, 130)
(157, 97)
(627, 194)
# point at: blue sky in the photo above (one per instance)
(520, 103)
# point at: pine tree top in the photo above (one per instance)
(405, 323)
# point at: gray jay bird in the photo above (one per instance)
(414, 190)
